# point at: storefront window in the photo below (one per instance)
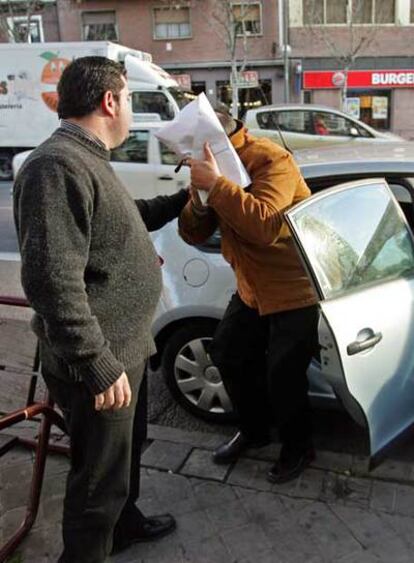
(375, 107)
(248, 97)
(198, 87)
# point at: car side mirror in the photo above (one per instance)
(354, 132)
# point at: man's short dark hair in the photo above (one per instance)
(84, 82)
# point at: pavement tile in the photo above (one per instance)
(263, 557)
(209, 494)
(291, 542)
(361, 556)
(246, 541)
(346, 490)
(195, 439)
(373, 534)
(165, 455)
(389, 469)
(383, 496)
(228, 515)
(200, 464)
(308, 485)
(164, 550)
(404, 504)
(250, 473)
(207, 551)
(333, 538)
(194, 526)
(402, 526)
(167, 487)
(263, 507)
(12, 496)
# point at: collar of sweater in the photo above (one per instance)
(238, 138)
(85, 141)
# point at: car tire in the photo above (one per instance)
(191, 377)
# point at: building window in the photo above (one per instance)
(172, 23)
(18, 27)
(99, 26)
(412, 12)
(248, 18)
(331, 12)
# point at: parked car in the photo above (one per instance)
(144, 164)
(358, 246)
(310, 126)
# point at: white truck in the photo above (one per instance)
(29, 74)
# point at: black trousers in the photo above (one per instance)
(103, 483)
(263, 362)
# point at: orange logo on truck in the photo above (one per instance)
(51, 73)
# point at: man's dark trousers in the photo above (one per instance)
(263, 362)
(103, 483)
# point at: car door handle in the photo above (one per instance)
(165, 178)
(361, 345)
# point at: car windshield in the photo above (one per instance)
(182, 98)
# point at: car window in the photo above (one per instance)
(167, 156)
(326, 123)
(152, 102)
(134, 149)
(375, 246)
(294, 121)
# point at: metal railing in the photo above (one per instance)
(45, 410)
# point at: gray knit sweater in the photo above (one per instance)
(89, 269)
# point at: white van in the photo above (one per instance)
(29, 74)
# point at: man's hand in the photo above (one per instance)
(118, 395)
(204, 173)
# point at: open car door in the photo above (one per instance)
(359, 252)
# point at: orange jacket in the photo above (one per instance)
(255, 238)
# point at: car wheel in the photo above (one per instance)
(190, 374)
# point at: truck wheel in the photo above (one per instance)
(6, 170)
(191, 376)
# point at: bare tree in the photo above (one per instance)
(230, 24)
(357, 38)
(10, 10)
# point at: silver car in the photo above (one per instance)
(310, 126)
(355, 237)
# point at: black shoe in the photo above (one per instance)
(290, 466)
(152, 528)
(232, 450)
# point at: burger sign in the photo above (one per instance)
(51, 73)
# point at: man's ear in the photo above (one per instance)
(108, 104)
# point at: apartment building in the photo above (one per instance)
(190, 40)
(380, 82)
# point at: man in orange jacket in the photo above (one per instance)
(268, 334)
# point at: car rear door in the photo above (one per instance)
(359, 252)
(132, 164)
(167, 181)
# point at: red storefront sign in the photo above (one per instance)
(316, 80)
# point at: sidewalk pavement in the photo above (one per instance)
(335, 512)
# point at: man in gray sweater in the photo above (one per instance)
(91, 274)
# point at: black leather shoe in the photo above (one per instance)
(230, 451)
(152, 528)
(290, 466)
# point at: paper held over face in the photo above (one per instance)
(195, 125)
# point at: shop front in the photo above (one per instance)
(380, 98)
